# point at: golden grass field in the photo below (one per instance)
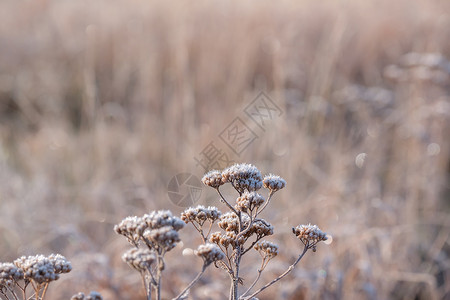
(102, 102)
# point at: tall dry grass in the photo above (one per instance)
(102, 102)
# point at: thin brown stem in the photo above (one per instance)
(147, 286)
(209, 230)
(223, 200)
(192, 283)
(200, 231)
(4, 294)
(251, 246)
(289, 270)
(45, 290)
(265, 203)
(260, 270)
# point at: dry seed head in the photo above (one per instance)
(60, 263)
(139, 259)
(229, 222)
(92, 296)
(79, 296)
(266, 249)
(162, 218)
(243, 177)
(131, 227)
(200, 214)
(9, 273)
(213, 179)
(249, 201)
(210, 253)
(261, 228)
(164, 238)
(227, 239)
(37, 268)
(309, 233)
(274, 183)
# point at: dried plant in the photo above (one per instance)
(241, 231)
(35, 271)
(92, 296)
(153, 235)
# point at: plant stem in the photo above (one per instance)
(260, 270)
(291, 267)
(226, 202)
(192, 283)
(235, 286)
(45, 290)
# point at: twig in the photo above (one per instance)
(260, 270)
(192, 283)
(223, 200)
(291, 267)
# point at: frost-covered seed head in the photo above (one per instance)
(132, 228)
(210, 253)
(92, 296)
(9, 273)
(37, 268)
(249, 201)
(60, 263)
(139, 259)
(309, 233)
(200, 214)
(261, 228)
(164, 238)
(243, 177)
(274, 183)
(227, 239)
(229, 222)
(213, 179)
(162, 218)
(79, 296)
(266, 249)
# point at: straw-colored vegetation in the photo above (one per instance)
(103, 102)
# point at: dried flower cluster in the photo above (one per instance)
(274, 183)
(210, 253)
(38, 270)
(241, 230)
(241, 224)
(243, 177)
(249, 201)
(266, 249)
(310, 235)
(213, 179)
(139, 259)
(92, 296)
(201, 214)
(9, 274)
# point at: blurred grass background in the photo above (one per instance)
(102, 102)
